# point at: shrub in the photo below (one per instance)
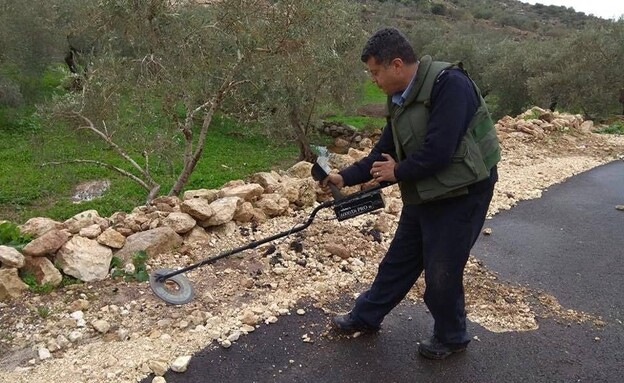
(438, 9)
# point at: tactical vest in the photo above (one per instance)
(477, 153)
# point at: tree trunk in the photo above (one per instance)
(303, 142)
(189, 166)
(305, 152)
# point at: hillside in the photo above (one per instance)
(538, 19)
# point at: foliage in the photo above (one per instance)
(582, 71)
(613, 128)
(145, 67)
(438, 9)
(69, 280)
(116, 262)
(34, 286)
(140, 269)
(532, 116)
(159, 73)
(30, 41)
(10, 235)
(302, 60)
(43, 311)
(30, 190)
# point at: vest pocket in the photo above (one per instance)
(465, 169)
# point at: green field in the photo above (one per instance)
(28, 189)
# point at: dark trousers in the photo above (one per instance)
(435, 237)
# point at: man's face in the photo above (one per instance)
(386, 77)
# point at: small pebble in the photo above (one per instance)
(271, 319)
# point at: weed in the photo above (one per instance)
(10, 235)
(534, 115)
(43, 311)
(29, 279)
(614, 128)
(34, 286)
(140, 269)
(116, 262)
(69, 280)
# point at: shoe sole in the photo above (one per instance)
(354, 330)
(431, 355)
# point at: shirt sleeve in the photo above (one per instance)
(359, 172)
(453, 104)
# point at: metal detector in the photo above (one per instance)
(176, 289)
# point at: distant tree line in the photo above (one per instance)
(550, 62)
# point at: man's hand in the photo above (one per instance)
(334, 178)
(384, 170)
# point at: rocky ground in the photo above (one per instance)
(119, 331)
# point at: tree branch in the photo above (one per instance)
(107, 137)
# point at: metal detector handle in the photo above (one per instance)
(319, 174)
(335, 192)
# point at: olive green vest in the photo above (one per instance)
(477, 153)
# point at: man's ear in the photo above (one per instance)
(397, 63)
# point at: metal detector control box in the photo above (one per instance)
(353, 206)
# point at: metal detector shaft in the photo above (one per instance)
(345, 200)
(251, 245)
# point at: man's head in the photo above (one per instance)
(390, 59)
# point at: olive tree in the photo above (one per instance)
(582, 71)
(306, 60)
(164, 69)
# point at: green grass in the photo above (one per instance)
(29, 190)
(360, 122)
(232, 151)
(30, 280)
(371, 94)
(613, 128)
(10, 235)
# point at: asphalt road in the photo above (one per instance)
(569, 243)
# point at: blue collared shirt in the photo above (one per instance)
(400, 97)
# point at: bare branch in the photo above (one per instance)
(117, 148)
(146, 156)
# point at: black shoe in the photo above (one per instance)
(347, 323)
(432, 348)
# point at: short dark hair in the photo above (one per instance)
(386, 45)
